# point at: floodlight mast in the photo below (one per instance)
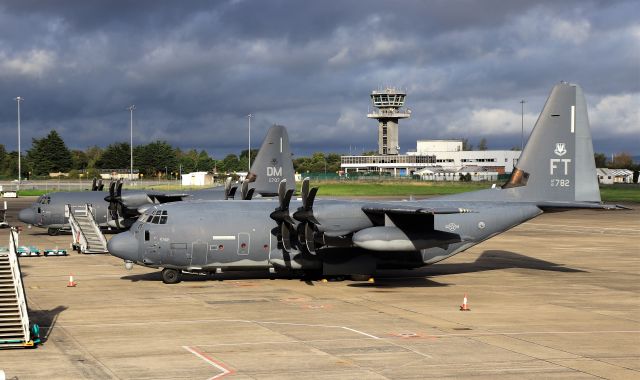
(249, 168)
(131, 108)
(522, 102)
(19, 99)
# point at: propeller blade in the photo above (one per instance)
(304, 191)
(227, 188)
(100, 185)
(94, 185)
(311, 198)
(281, 213)
(249, 194)
(282, 190)
(244, 189)
(309, 235)
(119, 189)
(232, 191)
(286, 236)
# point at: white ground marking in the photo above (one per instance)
(225, 371)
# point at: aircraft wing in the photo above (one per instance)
(165, 198)
(409, 218)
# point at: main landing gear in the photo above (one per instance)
(170, 276)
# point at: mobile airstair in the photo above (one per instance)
(15, 330)
(87, 237)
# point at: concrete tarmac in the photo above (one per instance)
(556, 297)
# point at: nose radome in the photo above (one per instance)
(124, 245)
(27, 215)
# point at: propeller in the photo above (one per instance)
(116, 208)
(94, 186)
(100, 185)
(305, 212)
(307, 229)
(120, 205)
(285, 230)
(113, 204)
(228, 190)
(246, 192)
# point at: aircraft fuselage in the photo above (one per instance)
(238, 235)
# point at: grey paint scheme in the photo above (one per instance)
(272, 164)
(379, 235)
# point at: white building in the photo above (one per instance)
(447, 154)
(423, 146)
(197, 179)
(608, 176)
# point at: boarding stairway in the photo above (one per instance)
(14, 319)
(87, 237)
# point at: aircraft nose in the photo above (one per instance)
(27, 215)
(124, 245)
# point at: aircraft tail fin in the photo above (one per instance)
(557, 164)
(273, 163)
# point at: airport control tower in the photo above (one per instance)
(389, 104)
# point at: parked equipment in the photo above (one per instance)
(86, 234)
(15, 328)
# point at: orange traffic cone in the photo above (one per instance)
(465, 305)
(71, 284)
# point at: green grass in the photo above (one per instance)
(32, 192)
(393, 188)
(620, 193)
(609, 193)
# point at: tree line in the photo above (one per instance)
(156, 159)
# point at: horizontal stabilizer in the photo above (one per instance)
(558, 205)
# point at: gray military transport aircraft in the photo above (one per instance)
(121, 208)
(556, 172)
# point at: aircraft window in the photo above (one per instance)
(149, 218)
(40, 199)
(163, 219)
(156, 219)
(146, 235)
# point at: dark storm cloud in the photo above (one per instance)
(196, 69)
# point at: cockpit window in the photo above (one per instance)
(158, 217)
(44, 199)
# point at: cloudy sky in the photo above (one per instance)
(195, 69)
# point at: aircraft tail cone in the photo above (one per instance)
(465, 304)
(71, 283)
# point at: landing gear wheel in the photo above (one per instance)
(170, 276)
(53, 231)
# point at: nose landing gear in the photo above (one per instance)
(170, 276)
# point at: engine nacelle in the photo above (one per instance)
(394, 239)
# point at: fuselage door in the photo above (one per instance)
(151, 254)
(244, 242)
(199, 254)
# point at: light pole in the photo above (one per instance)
(131, 108)
(19, 99)
(249, 116)
(522, 102)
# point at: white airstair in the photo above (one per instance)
(87, 237)
(14, 319)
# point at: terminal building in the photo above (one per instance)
(442, 158)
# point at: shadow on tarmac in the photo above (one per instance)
(422, 277)
(46, 319)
